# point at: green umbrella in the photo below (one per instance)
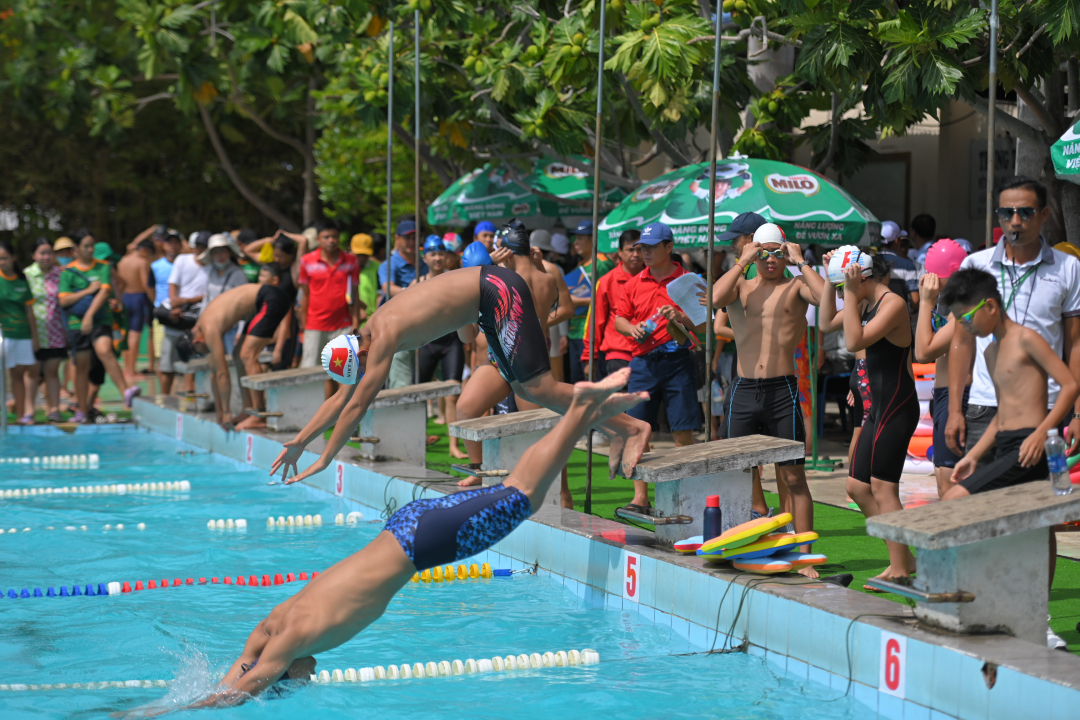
(810, 208)
(492, 193)
(1066, 154)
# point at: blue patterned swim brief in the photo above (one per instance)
(442, 530)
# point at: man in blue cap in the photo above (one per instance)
(741, 231)
(662, 363)
(396, 274)
(579, 282)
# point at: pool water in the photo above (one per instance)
(193, 633)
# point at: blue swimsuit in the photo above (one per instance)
(442, 530)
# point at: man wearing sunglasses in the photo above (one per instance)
(1040, 289)
(768, 316)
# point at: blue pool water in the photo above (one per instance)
(191, 634)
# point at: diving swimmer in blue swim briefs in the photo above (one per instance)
(352, 594)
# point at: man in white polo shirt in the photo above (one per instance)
(1040, 288)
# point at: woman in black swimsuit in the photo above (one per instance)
(876, 320)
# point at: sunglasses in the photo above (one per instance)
(1006, 213)
(968, 317)
(938, 321)
(778, 254)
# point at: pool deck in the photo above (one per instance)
(813, 630)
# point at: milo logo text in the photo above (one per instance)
(806, 184)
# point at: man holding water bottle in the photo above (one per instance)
(662, 364)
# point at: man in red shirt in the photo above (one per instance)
(617, 349)
(329, 301)
(662, 364)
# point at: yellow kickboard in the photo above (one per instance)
(744, 534)
(769, 545)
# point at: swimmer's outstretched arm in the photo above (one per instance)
(345, 422)
(324, 417)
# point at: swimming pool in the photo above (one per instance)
(192, 633)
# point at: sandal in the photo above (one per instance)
(432, 439)
(26, 420)
(641, 509)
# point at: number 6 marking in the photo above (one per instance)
(893, 664)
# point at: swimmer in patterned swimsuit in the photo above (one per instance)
(339, 603)
(497, 299)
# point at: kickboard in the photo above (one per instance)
(689, 545)
(766, 566)
(801, 559)
(744, 534)
(769, 545)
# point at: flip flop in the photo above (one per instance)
(432, 439)
(872, 589)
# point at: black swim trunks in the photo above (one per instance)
(508, 319)
(765, 406)
(271, 306)
(448, 350)
(1005, 469)
(442, 530)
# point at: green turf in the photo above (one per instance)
(843, 534)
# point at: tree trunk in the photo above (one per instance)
(242, 187)
(311, 186)
(1029, 159)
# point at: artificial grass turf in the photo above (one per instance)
(842, 533)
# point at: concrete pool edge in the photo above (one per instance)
(806, 630)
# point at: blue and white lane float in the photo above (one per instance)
(445, 668)
(91, 460)
(114, 489)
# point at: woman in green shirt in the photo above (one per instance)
(20, 331)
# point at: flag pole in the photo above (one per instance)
(416, 164)
(710, 335)
(595, 248)
(991, 126)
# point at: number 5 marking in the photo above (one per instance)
(631, 576)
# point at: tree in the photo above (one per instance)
(903, 61)
(512, 82)
(235, 68)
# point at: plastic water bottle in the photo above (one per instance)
(649, 327)
(711, 525)
(1059, 468)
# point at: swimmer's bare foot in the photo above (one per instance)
(469, 482)
(251, 422)
(887, 575)
(809, 572)
(600, 401)
(456, 453)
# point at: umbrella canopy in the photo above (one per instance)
(492, 193)
(810, 208)
(1066, 155)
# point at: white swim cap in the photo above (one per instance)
(769, 233)
(340, 359)
(844, 256)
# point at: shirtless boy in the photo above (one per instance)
(768, 317)
(219, 317)
(501, 302)
(1019, 361)
(272, 307)
(331, 609)
(934, 332)
(133, 272)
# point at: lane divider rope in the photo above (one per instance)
(92, 461)
(118, 489)
(117, 526)
(535, 661)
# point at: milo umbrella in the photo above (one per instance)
(1066, 155)
(810, 208)
(493, 193)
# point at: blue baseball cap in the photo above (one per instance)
(745, 224)
(655, 233)
(584, 228)
(405, 227)
(475, 254)
(485, 226)
(434, 243)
